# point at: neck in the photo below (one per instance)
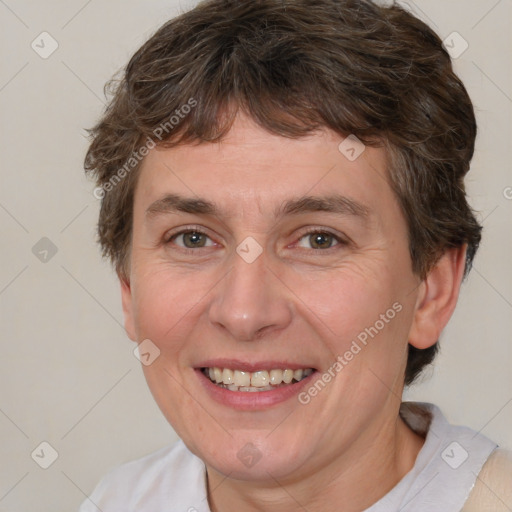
(357, 478)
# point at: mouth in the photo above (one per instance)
(249, 382)
(253, 385)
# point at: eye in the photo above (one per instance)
(191, 239)
(194, 238)
(320, 239)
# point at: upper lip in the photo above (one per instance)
(251, 366)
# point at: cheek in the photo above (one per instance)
(364, 314)
(165, 302)
(348, 298)
(351, 302)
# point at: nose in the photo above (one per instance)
(251, 300)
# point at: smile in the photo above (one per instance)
(262, 380)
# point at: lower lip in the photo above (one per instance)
(250, 401)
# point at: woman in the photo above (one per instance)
(283, 201)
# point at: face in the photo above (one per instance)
(257, 277)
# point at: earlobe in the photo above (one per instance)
(437, 298)
(126, 298)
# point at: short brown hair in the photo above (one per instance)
(295, 66)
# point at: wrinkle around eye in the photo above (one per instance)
(174, 240)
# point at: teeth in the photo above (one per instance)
(242, 378)
(276, 377)
(287, 376)
(262, 380)
(217, 375)
(228, 376)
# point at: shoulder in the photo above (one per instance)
(149, 480)
(493, 487)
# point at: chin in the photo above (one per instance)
(259, 460)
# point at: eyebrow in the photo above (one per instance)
(333, 203)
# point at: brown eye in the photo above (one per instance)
(320, 240)
(193, 239)
(190, 239)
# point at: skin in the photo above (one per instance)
(295, 302)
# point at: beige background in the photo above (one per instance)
(67, 372)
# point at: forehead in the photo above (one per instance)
(252, 170)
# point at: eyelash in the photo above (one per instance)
(193, 229)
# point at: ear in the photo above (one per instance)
(437, 298)
(126, 297)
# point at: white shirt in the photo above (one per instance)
(173, 479)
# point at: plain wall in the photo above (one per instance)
(68, 375)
